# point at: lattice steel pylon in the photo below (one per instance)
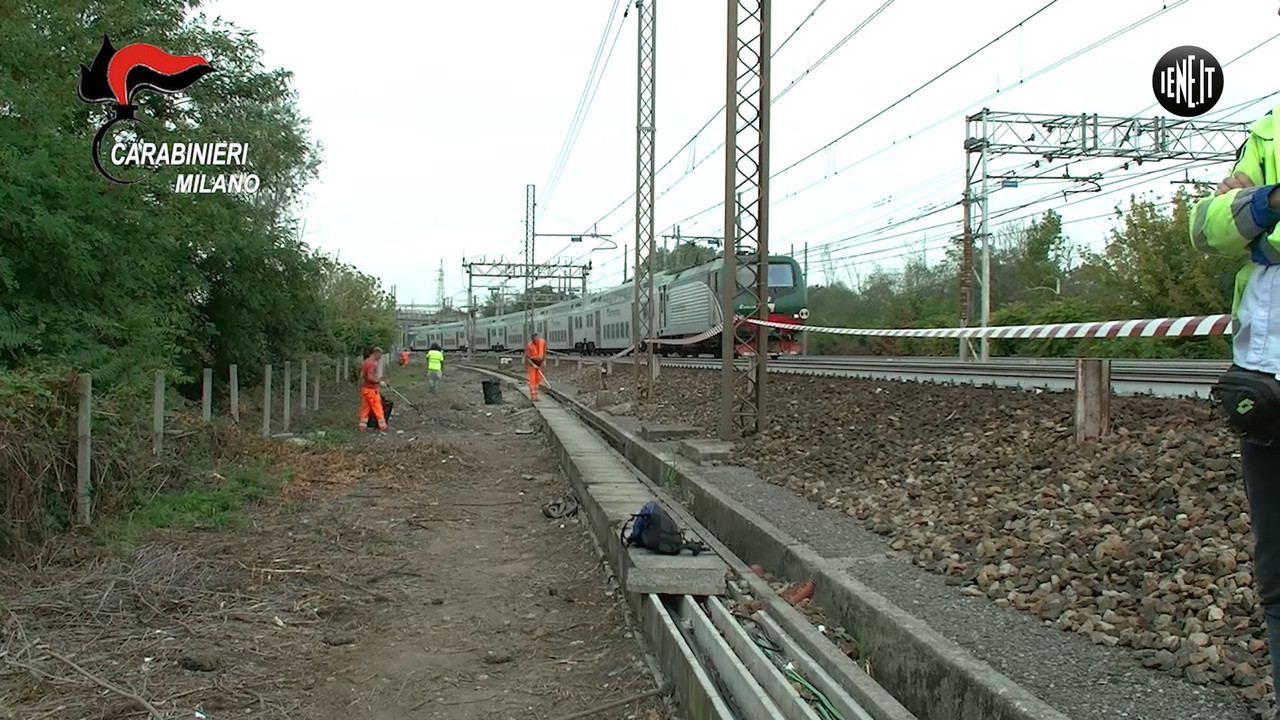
(642, 311)
(529, 234)
(746, 214)
(1055, 137)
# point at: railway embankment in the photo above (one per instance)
(1112, 579)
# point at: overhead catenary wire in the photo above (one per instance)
(877, 236)
(939, 122)
(891, 106)
(1141, 179)
(866, 21)
(1040, 72)
(583, 108)
(870, 236)
(1222, 111)
(716, 150)
(1052, 66)
(1239, 106)
(852, 233)
(710, 120)
(1159, 171)
(1174, 5)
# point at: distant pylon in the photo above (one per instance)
(440, 287)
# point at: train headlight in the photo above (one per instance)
(804, 313)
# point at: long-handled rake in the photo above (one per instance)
(406, 400)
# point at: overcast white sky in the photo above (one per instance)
(435, 116)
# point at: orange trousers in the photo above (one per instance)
(535, 379)
(371, 401)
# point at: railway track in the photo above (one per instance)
(1161, 378)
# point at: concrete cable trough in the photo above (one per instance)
(730, 646)
(918, 673)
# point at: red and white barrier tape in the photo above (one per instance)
(674, 341)
(1187, 326)
(694, 339)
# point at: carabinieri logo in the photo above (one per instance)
(117, 76)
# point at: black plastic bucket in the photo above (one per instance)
(492, 392)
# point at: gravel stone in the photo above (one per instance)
(1066, 568)
(1082, 680)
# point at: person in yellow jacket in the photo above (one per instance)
(1239, 220)
(435, 366)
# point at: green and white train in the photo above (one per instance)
(688, 305)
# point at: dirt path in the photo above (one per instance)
(410, 575)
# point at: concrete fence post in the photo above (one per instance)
(266, 401)
(315, 396)
(1093, 399)
(206, 396)
(157, 414)
(337, 369)
(84, 455)
(235, 393)
(302, 387)
(288, 367)
(346, 371)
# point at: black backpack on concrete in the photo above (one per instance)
(653, 529)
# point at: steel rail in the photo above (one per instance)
(1160, 378)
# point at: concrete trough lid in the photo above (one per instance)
(704, 451)
(655, 432)
(683, 574)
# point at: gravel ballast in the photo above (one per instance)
(1114, 580)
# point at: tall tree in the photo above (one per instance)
(120, 279)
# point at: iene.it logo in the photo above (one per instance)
(1187, 81)
(117, 77)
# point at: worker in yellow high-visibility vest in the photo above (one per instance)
(435, 366)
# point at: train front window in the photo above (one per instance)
(781, 275)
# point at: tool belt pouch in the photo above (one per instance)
(1250, 402)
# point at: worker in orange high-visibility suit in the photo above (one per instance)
(370, 397)
(534, 355)
(404, 357)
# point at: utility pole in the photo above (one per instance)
(471, 316)
(1059, 137)
(530, 206)
(966, 259)
(746, 213)
(403, 326)
(642, 311)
